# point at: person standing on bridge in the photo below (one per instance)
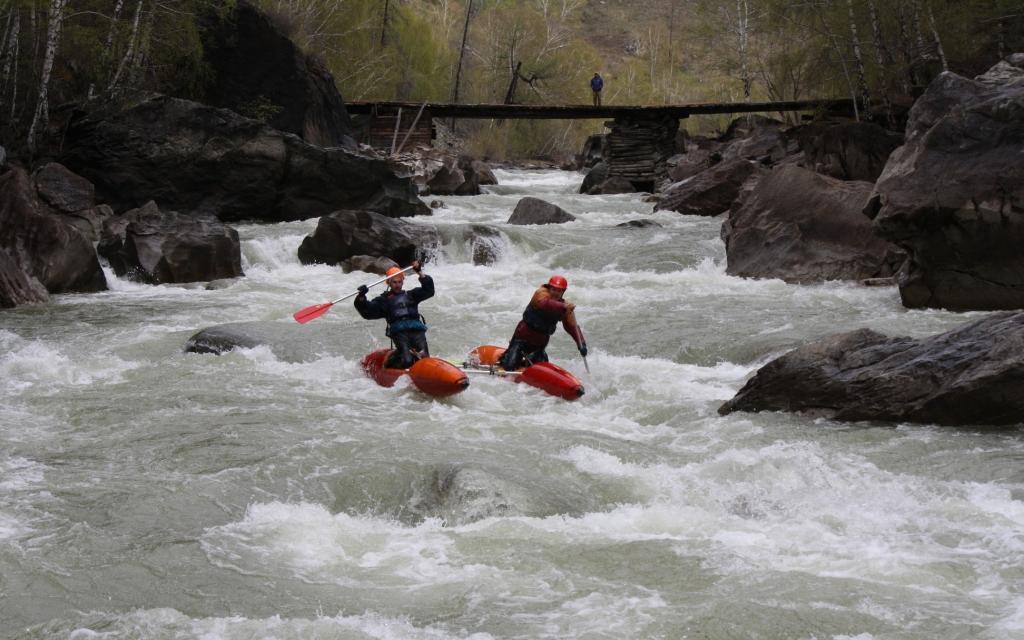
(546, 309)
(596, 84)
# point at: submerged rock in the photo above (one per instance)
(288, 341)
(973, 375)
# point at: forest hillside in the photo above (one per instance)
(57, 52)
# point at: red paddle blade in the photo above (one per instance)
(312, 313)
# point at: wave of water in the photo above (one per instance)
(278, 492)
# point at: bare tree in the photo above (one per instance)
(384, 24)
(42, 112)
(9, 73)
(130, 52)
(935, 36)
(743, 36)
(862, 83)
(462, 52)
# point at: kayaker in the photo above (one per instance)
(406, 328)
(540, 319)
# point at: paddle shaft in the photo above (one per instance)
(372, 284)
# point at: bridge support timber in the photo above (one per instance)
(638, 147)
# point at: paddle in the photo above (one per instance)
(313, 312)
(585, 365)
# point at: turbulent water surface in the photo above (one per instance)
(150, 493)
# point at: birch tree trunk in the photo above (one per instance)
(10, 66)
(42, 112)
(743, 33)
(384, 24)
(862, 81)
(935, 36)
(129, 53)
(113, 27)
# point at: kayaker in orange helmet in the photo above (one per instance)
(406, 328)
(540, 319)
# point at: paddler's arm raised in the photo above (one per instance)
(426, 288)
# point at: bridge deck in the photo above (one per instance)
(582, 111)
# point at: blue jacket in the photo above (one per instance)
(596, 83)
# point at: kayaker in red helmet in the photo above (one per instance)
(406, 328)
(540, 319)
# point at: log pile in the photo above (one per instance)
(638, 149)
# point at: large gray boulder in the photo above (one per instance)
(973, 375)
(191, 157)
(37, 239)
(16, 286)
(712, 191)
(344, 234)
(530, 210)
(803, 227)
(953, 195)
(158, 247)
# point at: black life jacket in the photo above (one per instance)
(402, 312)
(540, 321)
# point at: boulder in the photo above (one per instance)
(953, 195)
(973, 375)
(344, 234)
(804, 227)
(259, 72)
(446, 181)
(530, 210)
(159, 247)
(611, 186)
(711, 191)
(847, 150)
(368, 264)
(63, 190)
(16, 286)
(485, 243)
(89, 222)
(594, 177)
(315, 341)
(191, 157)
(680, 167)
(595, 149)
(767, 144)
(477, 171)
(45, 247)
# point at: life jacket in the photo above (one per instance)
(402, 313)
(540, 320)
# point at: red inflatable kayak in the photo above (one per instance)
(547, 377)
(432, 376)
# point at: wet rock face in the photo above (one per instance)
(345, 234)
(16, 286)
(711, 191)
(257, 71)
(42, 244)
(803, 227)
(157, 247)
(531, 210)
(191, 157)
(953, 195)
(969, 376)
(848, 150)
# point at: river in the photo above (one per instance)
(149, 493)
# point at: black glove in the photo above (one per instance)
(583, 349)
(363, 289)
(416, 266)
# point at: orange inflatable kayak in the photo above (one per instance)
(547, 377)
(432, 376)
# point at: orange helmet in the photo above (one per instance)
(558, 282)
(392, 271)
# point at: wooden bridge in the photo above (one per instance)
(641, 138)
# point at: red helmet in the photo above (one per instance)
(558, 282)
(392, 271)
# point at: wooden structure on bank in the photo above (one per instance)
(640, 141)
